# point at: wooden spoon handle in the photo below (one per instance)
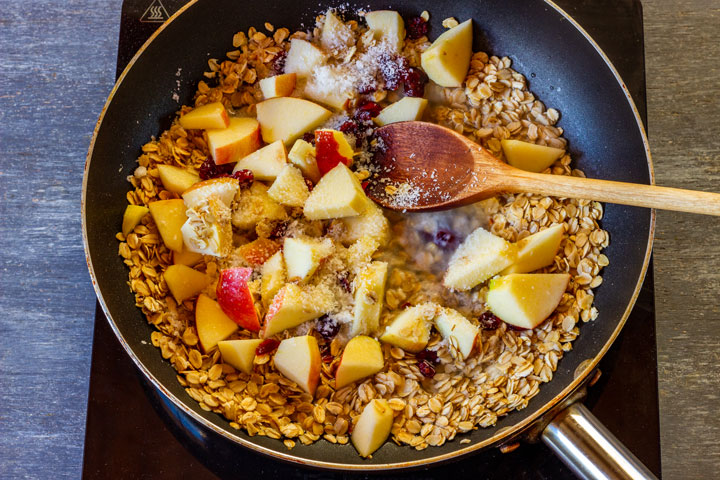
(649, 196)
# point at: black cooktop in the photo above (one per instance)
(133, 431)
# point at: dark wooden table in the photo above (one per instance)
(57, 64)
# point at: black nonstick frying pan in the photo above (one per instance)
(565, 69)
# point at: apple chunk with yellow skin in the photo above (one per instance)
(187, 258)
(132, 216)
(278, 86)
(240, 354)
(361, 358)
(530, 157)
(169, 216)
(185, 282)
(239, 139)
(338, 194)
(293, 305)
(537, 250)
(373, 427)
(211, 323)
(369, 286)
(176, 179)
(212, 115)
(447, 60)
(266, 163)
(526, 299)
(272, 277)
(302, 155)
(258, 251)
(303, 57)
(303, 255)
(388, 26)
(478, 258)
(289, 188)
(298, 358)
(287, 118)
(410, 330)
(457, 330)
(406, 109)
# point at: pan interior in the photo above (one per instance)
(564, 71)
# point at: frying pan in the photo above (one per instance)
(566, 70)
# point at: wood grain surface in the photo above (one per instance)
(57, 64)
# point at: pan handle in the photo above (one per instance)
(589, 449)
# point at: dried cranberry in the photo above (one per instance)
(426, 369)
(367, 110)
(309, 184)
(210, 170)
(405, 305)
(344, 282)
(350, 126)
(328, 358)
(393, 70)
(488, 321)
(444, 238)
(244, 176)
(417, 27)
(267, 346)
(327, 327)
(429, 356)
(415, 80)
(365, 184)
(368, 87)
(279, 230)
(278, 63)
(515, 328)
(309, 137)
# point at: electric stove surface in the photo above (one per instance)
(133, 431)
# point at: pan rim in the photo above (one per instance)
(503, 434)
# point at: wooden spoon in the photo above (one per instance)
(435, 168)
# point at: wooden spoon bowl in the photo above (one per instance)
(422, 166)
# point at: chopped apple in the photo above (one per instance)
(224, 188)
(302, 58)
(278, 86)
(287, 118)
(176, 179)
(530, 157)
(265, 163)
(338, 194)
(208, 230)
(328, 86)
(373, 427)
(371, 222)
(132, 216)
(331, 148)
(211, 323)
(273, 277)
(187, 258)
(410, 330)
(239, 354)
(235, 298)
(185, 282)
(360, 253)
(254, 205)
(447, 60)
(169, 216)
(478, 258)
(361, 358)
(303, 255)
(289, 188)
(336, 35)
(406, 109)
(293, 305)
(457, 330)
(388, 26)
(212, 115)
(298, 358)
(537, 250)
(239, 139)
(302, 155)
(526, 299)
(369, 287)
(258, 251)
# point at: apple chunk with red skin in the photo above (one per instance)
(298, 358)
(361, 358)
(211, 323)
(235, 299)
(331, 148)
(239, 139)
